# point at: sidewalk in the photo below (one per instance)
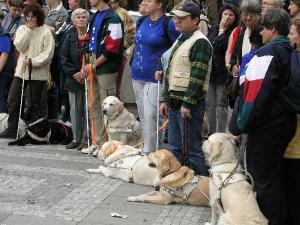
(48, 185)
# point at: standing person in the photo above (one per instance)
(71, 62)
(6, 65)
(129, 31)
(154, 36)
(34, 41)
(184, 92)
(14, 18)
(106, 47)
(294, 7)
(142, 8)
(292, 153)
(270, 126)
(56, 15)
(217, 102)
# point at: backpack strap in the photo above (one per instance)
(165, 27)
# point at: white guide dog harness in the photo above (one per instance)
(184, 191)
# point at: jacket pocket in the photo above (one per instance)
(181, 79)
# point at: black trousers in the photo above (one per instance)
(265, 149)
(14, 101)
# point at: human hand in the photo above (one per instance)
(30, 24)
(185, 113)
(26, 61)
(86, 69)
(235, 70)
(77, 76)
(159, 75)
(163, 109)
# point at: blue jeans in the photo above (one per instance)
(176, 137)
(5, 82)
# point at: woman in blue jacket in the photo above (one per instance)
(155, 35)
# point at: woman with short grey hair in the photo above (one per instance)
(71, 61)
(78, 12)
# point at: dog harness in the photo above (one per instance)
(224, 179)
(184, 191)
(126, 163)
(36, 137)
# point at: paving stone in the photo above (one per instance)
(31, 220)
(41, 185)
(3, 216)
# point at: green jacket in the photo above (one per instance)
(110, 42)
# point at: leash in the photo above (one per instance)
(185, 149)
(159, 129)
(93, 133)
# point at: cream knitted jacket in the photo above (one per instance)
(37, 44)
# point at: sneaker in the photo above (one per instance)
(89, 150)
(9, 133)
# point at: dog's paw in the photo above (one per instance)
(132, 199)
(207, 223)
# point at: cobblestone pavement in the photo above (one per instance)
(48, 185)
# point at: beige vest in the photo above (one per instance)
(180, 65)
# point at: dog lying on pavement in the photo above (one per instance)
(126, 163)
(232, 198)
(178, 183)
(45, 131)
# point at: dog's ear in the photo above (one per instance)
(178, 178)
(216, 150)
(120, 106)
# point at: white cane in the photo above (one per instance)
(22, 93)
(157, 115)
(87, 112)
(21, 105)
(157, 105)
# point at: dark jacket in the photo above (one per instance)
(70, 60)
(111, 48)
(261, 107)
(219, 43)
(9, 65)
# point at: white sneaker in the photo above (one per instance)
(89, 150)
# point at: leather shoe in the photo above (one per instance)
(72, 145)
(9, 133)
(81, 146)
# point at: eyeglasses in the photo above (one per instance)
(268, 4)
(250, 14)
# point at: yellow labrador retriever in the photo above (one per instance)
(121, 125)
(126, 163)
(232, 198)
(178, 183)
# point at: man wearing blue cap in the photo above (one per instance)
(185, 91)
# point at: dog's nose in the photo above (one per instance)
(152, 164)
(104, 111)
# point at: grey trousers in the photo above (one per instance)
(103, 85)
(146, 100)
(216, 105)
(77, 115)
